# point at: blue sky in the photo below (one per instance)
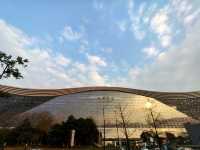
(132, 43)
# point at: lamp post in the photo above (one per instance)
(148, 105)
(116, 123)
(104, 100)
(125, 128)
(104, 129)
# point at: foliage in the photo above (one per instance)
(58, 135)
(10, 65)
(41, 120)
(3, 135)
(24, 134)
(147, 135)
(86, 132)
(170, 136)
(150, 138)
(183, 140)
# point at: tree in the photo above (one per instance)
(25, 134)
(3, 135)
(147, 137)
(86, 132)
(40, 120)
(21, 134)
(152, 119)
(56, 135)
(124, 125)
(170, 136)
(10, 65)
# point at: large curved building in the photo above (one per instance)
(172, 110)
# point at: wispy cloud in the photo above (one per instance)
(69, 34)
(62, 60)
(185, 11)
(175, 69)
(96, 60)
(151, 51)
(160, 25)
(48, 69)
(136, 20)
(98, 5)
(122, 25)
(107, 50)
(159, 43)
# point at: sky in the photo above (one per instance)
(141, 44)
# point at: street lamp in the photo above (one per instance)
(104, 100)
(149, 106)
(116, 123)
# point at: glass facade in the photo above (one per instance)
(91, 104)
(133, 108)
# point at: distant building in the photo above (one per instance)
(172, 110)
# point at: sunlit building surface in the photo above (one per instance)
(171, 110)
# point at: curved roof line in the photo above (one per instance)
(60, 92)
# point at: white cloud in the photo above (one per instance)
(191, 17)
(84, 44)
(81, 67)
(138, 33)
(175, 69)
(134, 72)
(136, 19)
(47, 69)
(160, 25)
(186, 11)
(98, 5)
(12, 39)
(93, 70)
(142, 9)
(151, 51)
(62, 60)
(96, 78)
(69, 34)
(130, 7)
(165, 40)
(122, 25)
(96, 60)
(107, 50)
(162, 57)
